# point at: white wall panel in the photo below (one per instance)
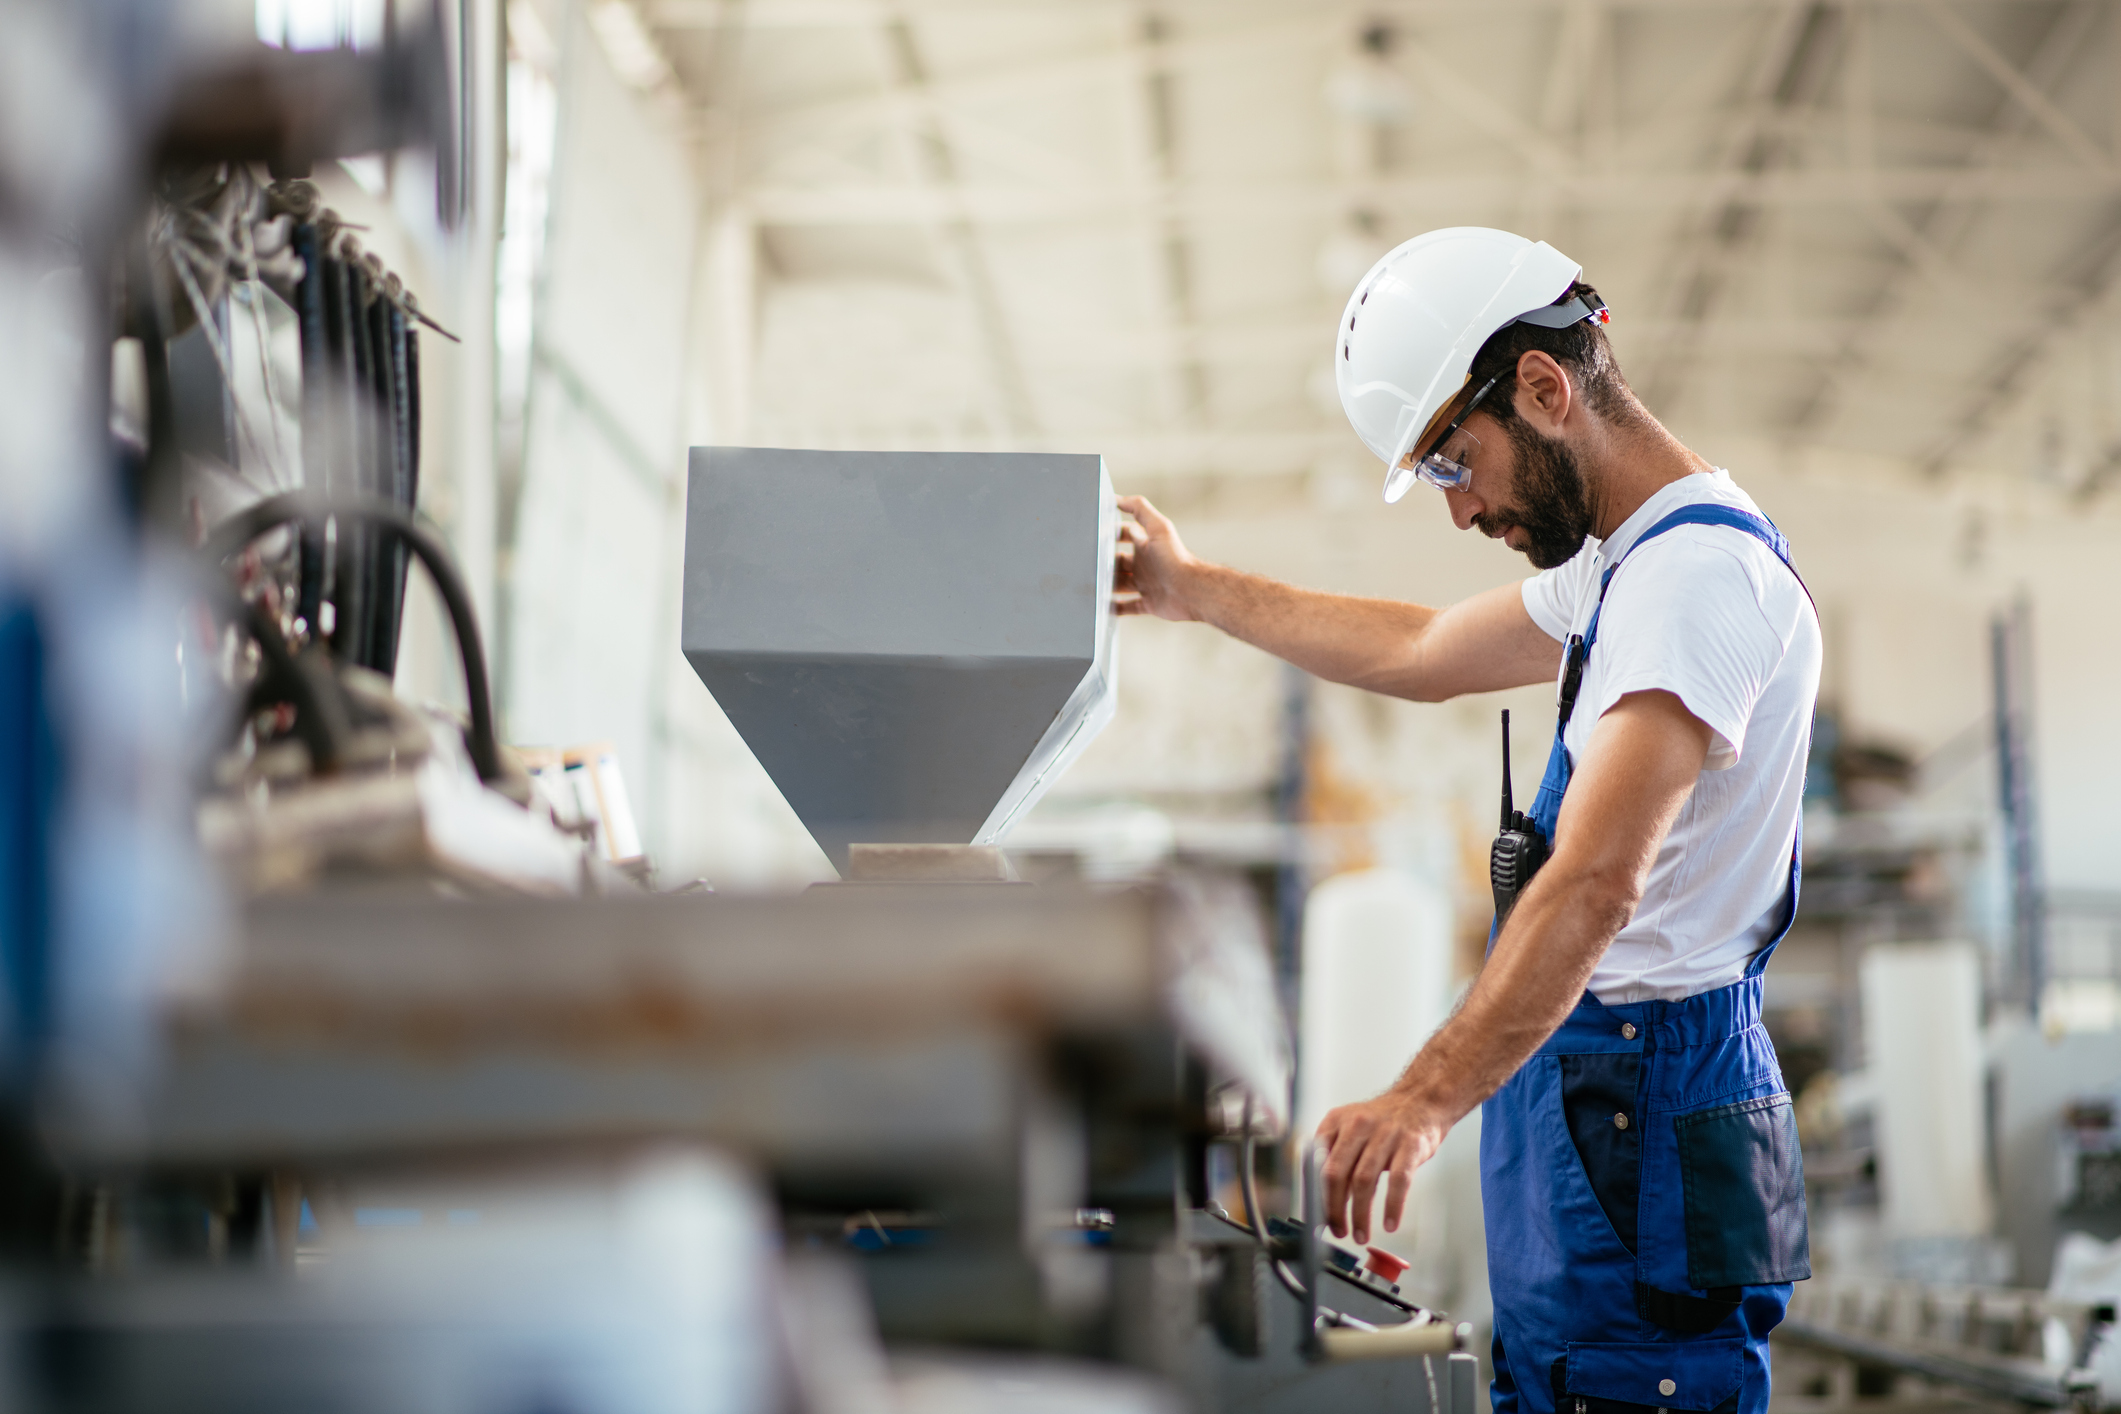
(593, 577)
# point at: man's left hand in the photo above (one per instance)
(1392, 1135)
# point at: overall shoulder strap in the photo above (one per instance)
(1699, 513)
(1763, 530)
(1757, 526)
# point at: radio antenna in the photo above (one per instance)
(1508, 805)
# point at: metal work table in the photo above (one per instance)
(1017, 1076)
(866, 1027)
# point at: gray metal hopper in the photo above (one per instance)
(914, 644)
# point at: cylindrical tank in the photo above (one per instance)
(1376, 983)
(1922, 1026)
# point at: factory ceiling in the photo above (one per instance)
(1886, 229)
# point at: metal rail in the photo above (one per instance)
(2026, 1382)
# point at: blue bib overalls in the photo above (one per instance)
(1641, 1175)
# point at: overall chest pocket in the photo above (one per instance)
(1744, 1187)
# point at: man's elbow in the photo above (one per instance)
(1431, 689)
(1406, 686)
(1605, 891)
(1411, 677)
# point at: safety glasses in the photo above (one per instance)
(1435, 468)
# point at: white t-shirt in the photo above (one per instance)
(1708, 614)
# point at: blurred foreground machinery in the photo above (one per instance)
(993, 1104)
(426, 1110)
(442, 1128)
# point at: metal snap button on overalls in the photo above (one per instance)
(1620, 1121)
(1627, 1030)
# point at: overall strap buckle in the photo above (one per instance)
(1572, 677)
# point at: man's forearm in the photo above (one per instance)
(1381, 645)
(1367, 643)
(1645, 755)
(1533, 980)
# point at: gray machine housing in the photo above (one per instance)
(914, 644)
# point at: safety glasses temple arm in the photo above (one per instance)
(1561, 316)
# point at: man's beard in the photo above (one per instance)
(1553, 504)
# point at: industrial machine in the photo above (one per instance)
(988, 1111)
(338, 1073)
(915, 645)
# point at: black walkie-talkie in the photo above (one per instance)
(1519, 849)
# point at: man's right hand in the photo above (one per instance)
(1150, 573)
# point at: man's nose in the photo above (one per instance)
(1464, 506)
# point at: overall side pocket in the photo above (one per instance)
(1743, 1174)
(1598, 1102)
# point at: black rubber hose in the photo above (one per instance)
(356, 619)
(253, 521)
(391, 593)
(316, 472)
(320, 718)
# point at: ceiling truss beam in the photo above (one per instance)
(1312, 202)
(1724, 231)
(934, 161)
(860, 14)
(2032, 96)
(1924, 249)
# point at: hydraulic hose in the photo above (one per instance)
(253, 521)
(320, 718)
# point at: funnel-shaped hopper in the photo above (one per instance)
(913, 644)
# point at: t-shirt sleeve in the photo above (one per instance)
(1686, 617)
(1551, 596)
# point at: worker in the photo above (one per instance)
(1639, 1160)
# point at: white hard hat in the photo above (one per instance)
(1414, 324)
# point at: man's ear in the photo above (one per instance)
(1544, 392)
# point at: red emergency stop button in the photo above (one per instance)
(1384, 1264)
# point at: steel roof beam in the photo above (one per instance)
(1924, 249)
(1154, 158)
(934, 161)
(860, 14)
(1726, 227)
(1311, 202)
(2032, 96)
